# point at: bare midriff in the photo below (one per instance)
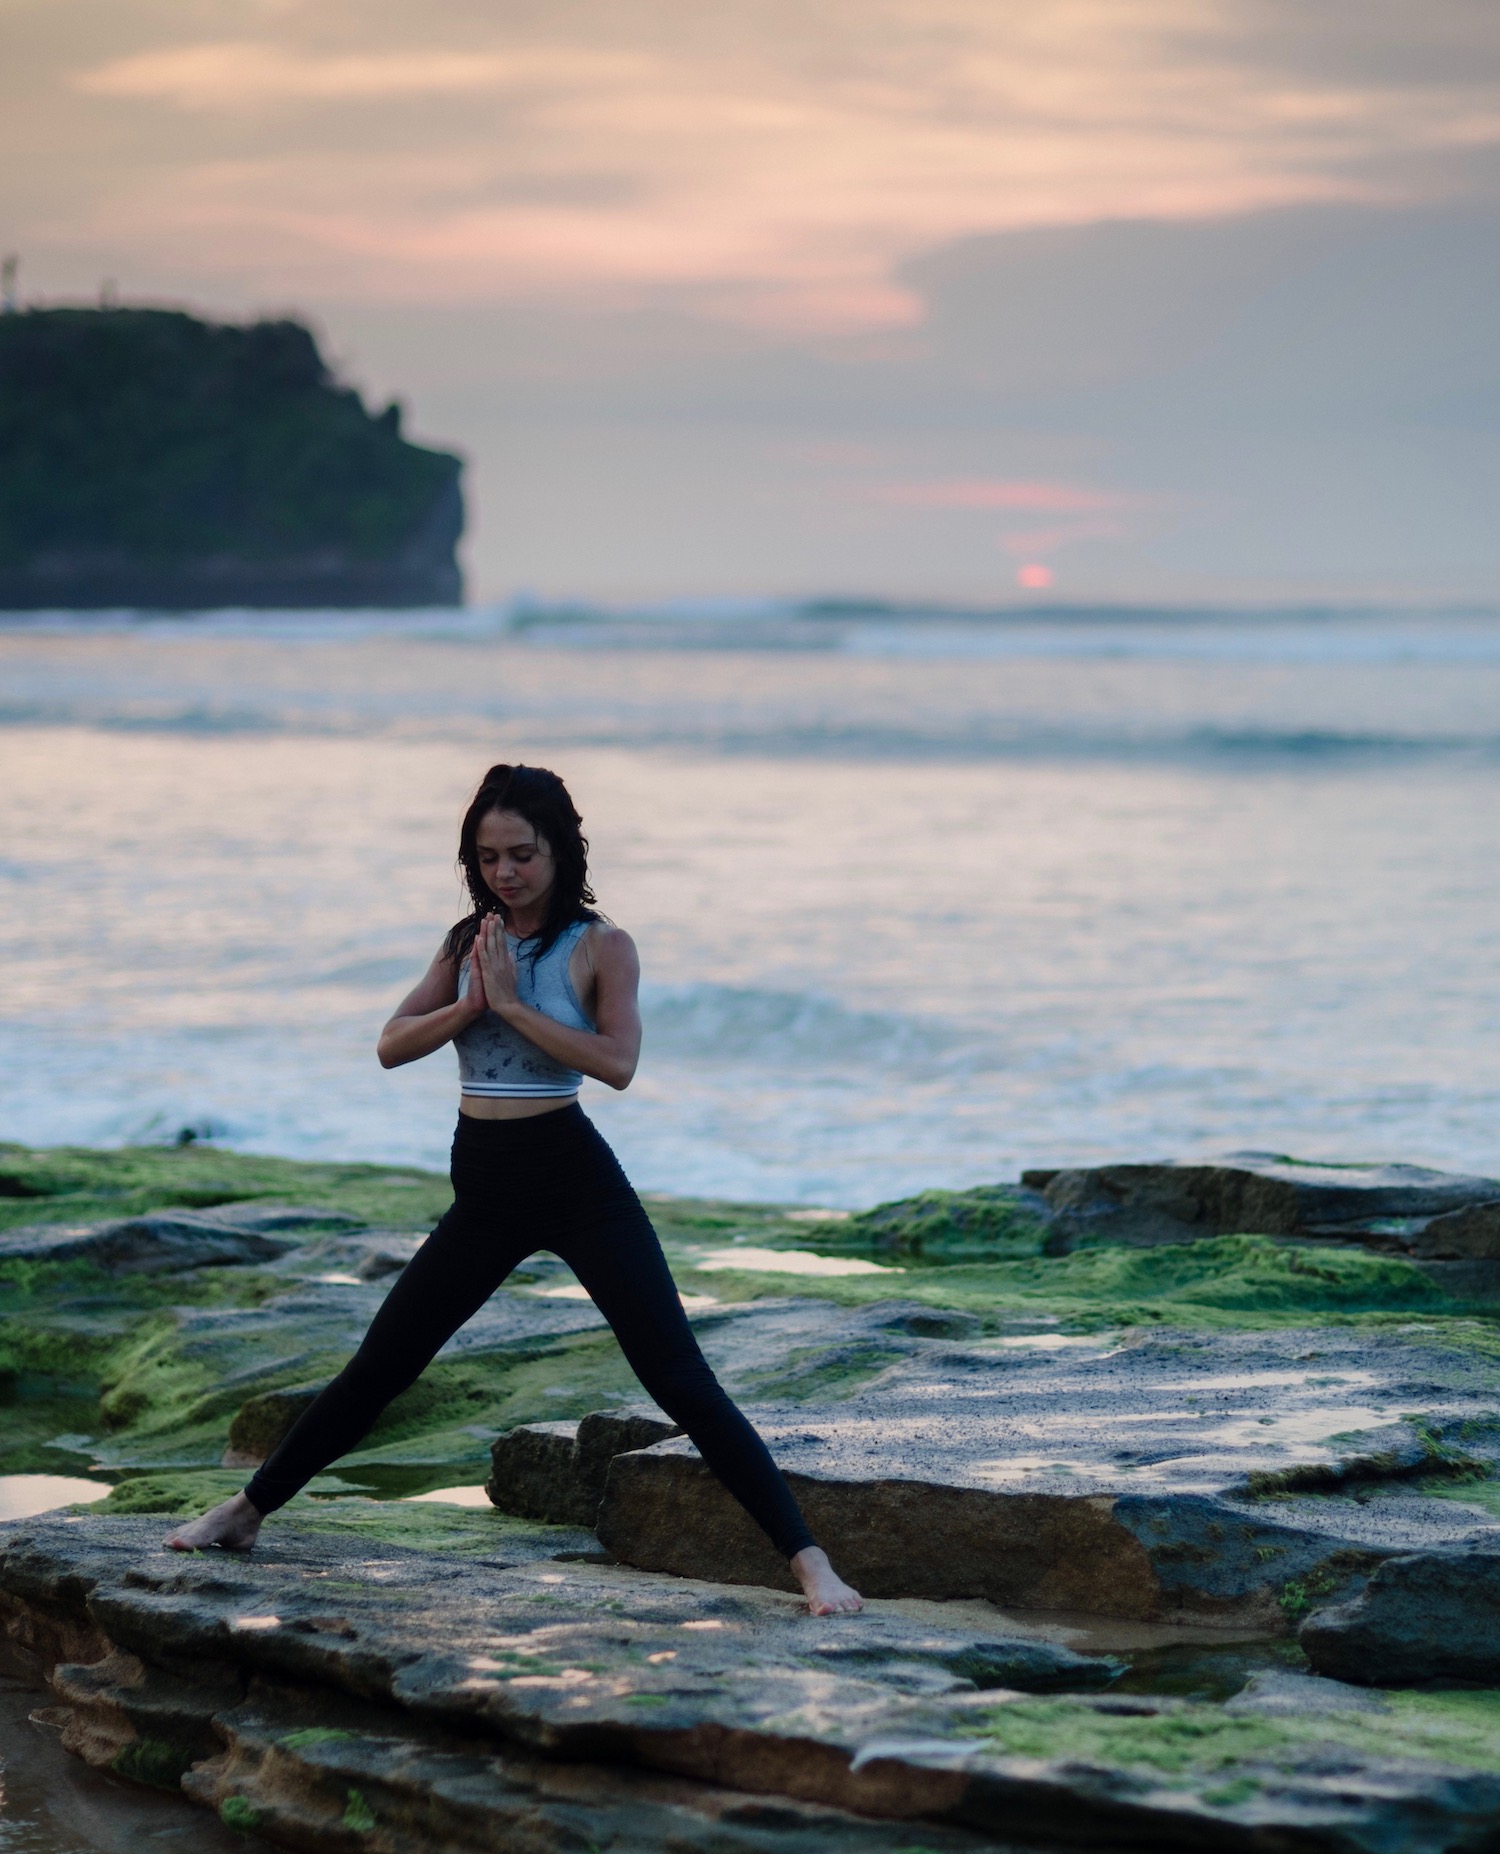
(512, 1107)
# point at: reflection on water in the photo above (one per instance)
(52, 1803)
(24, 1495)
(1207, 1671)
(788, 1262)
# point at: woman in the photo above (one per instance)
(535, 990)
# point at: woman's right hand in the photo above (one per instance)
(433, 1012)
(473, 997)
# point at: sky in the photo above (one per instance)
(1165, 300)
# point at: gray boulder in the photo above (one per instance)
(1428, 1616)
(1243, 1475)
(1277, 1693)
(165, 1242)
(556, 1471)
(284, 1219)
(1406, 1209)
(261, 1423)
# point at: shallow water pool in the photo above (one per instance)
(22, 1496)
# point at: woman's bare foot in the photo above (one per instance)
(232, 1525)
(826, 1592)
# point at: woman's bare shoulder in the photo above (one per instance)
(610, 947)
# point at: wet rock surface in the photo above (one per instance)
(319, 1694)
(1420, 1617)
(1279, 1694)
(557, 1471)
(165, 1243)
(1195, 1475)
(1406, 1209)
(1166, 1454)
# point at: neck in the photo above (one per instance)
(524, 922)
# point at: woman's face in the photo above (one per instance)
(516, 864)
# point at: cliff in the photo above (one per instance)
(148, 458)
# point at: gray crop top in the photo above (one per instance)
(493, 1057)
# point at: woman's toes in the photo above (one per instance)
(232, 1526)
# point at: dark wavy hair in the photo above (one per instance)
(542, 799)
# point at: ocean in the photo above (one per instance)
(921, 898)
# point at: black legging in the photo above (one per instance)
(520, 1185)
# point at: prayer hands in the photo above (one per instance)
(492, 968)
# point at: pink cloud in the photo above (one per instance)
(779, 178)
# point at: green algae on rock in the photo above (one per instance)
(78, 1183)
(1229, 1282)
(1253, 1427)
(210, 1364)
(1405, 1209)
(987, 1223)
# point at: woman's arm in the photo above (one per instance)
(431, 1014)
(609, 1053)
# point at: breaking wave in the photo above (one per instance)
(806, 1031)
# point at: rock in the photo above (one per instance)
(556, 1471)
(1408, 1209)
(1468, 1235)
(1277, 1693)
(261, 1422)
(1179, 1776)
(141, 1722)
(607, 1433)
(447, 1638)
(1476, 1282)
(284, 1219)
(323, 1695)
(887, 1651)
(1428, 1616)
(309, 1771)
(166, 1242)
(533, 1473)
(664, 1511)
(382, 1260)
(985, 1224)
(1230, 1477)
(249, 1370)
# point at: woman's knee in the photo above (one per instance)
(379, 1373)
(684, 1387)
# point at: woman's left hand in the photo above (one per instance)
(496, 966)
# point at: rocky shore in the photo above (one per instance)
(1174, 1487)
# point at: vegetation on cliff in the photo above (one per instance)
(150, 457)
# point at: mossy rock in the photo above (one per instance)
(989, 1223)
(261, 1422)
(157, 1763)
(75, 1184)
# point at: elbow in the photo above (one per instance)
(620, 1076)
(386, 1056)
